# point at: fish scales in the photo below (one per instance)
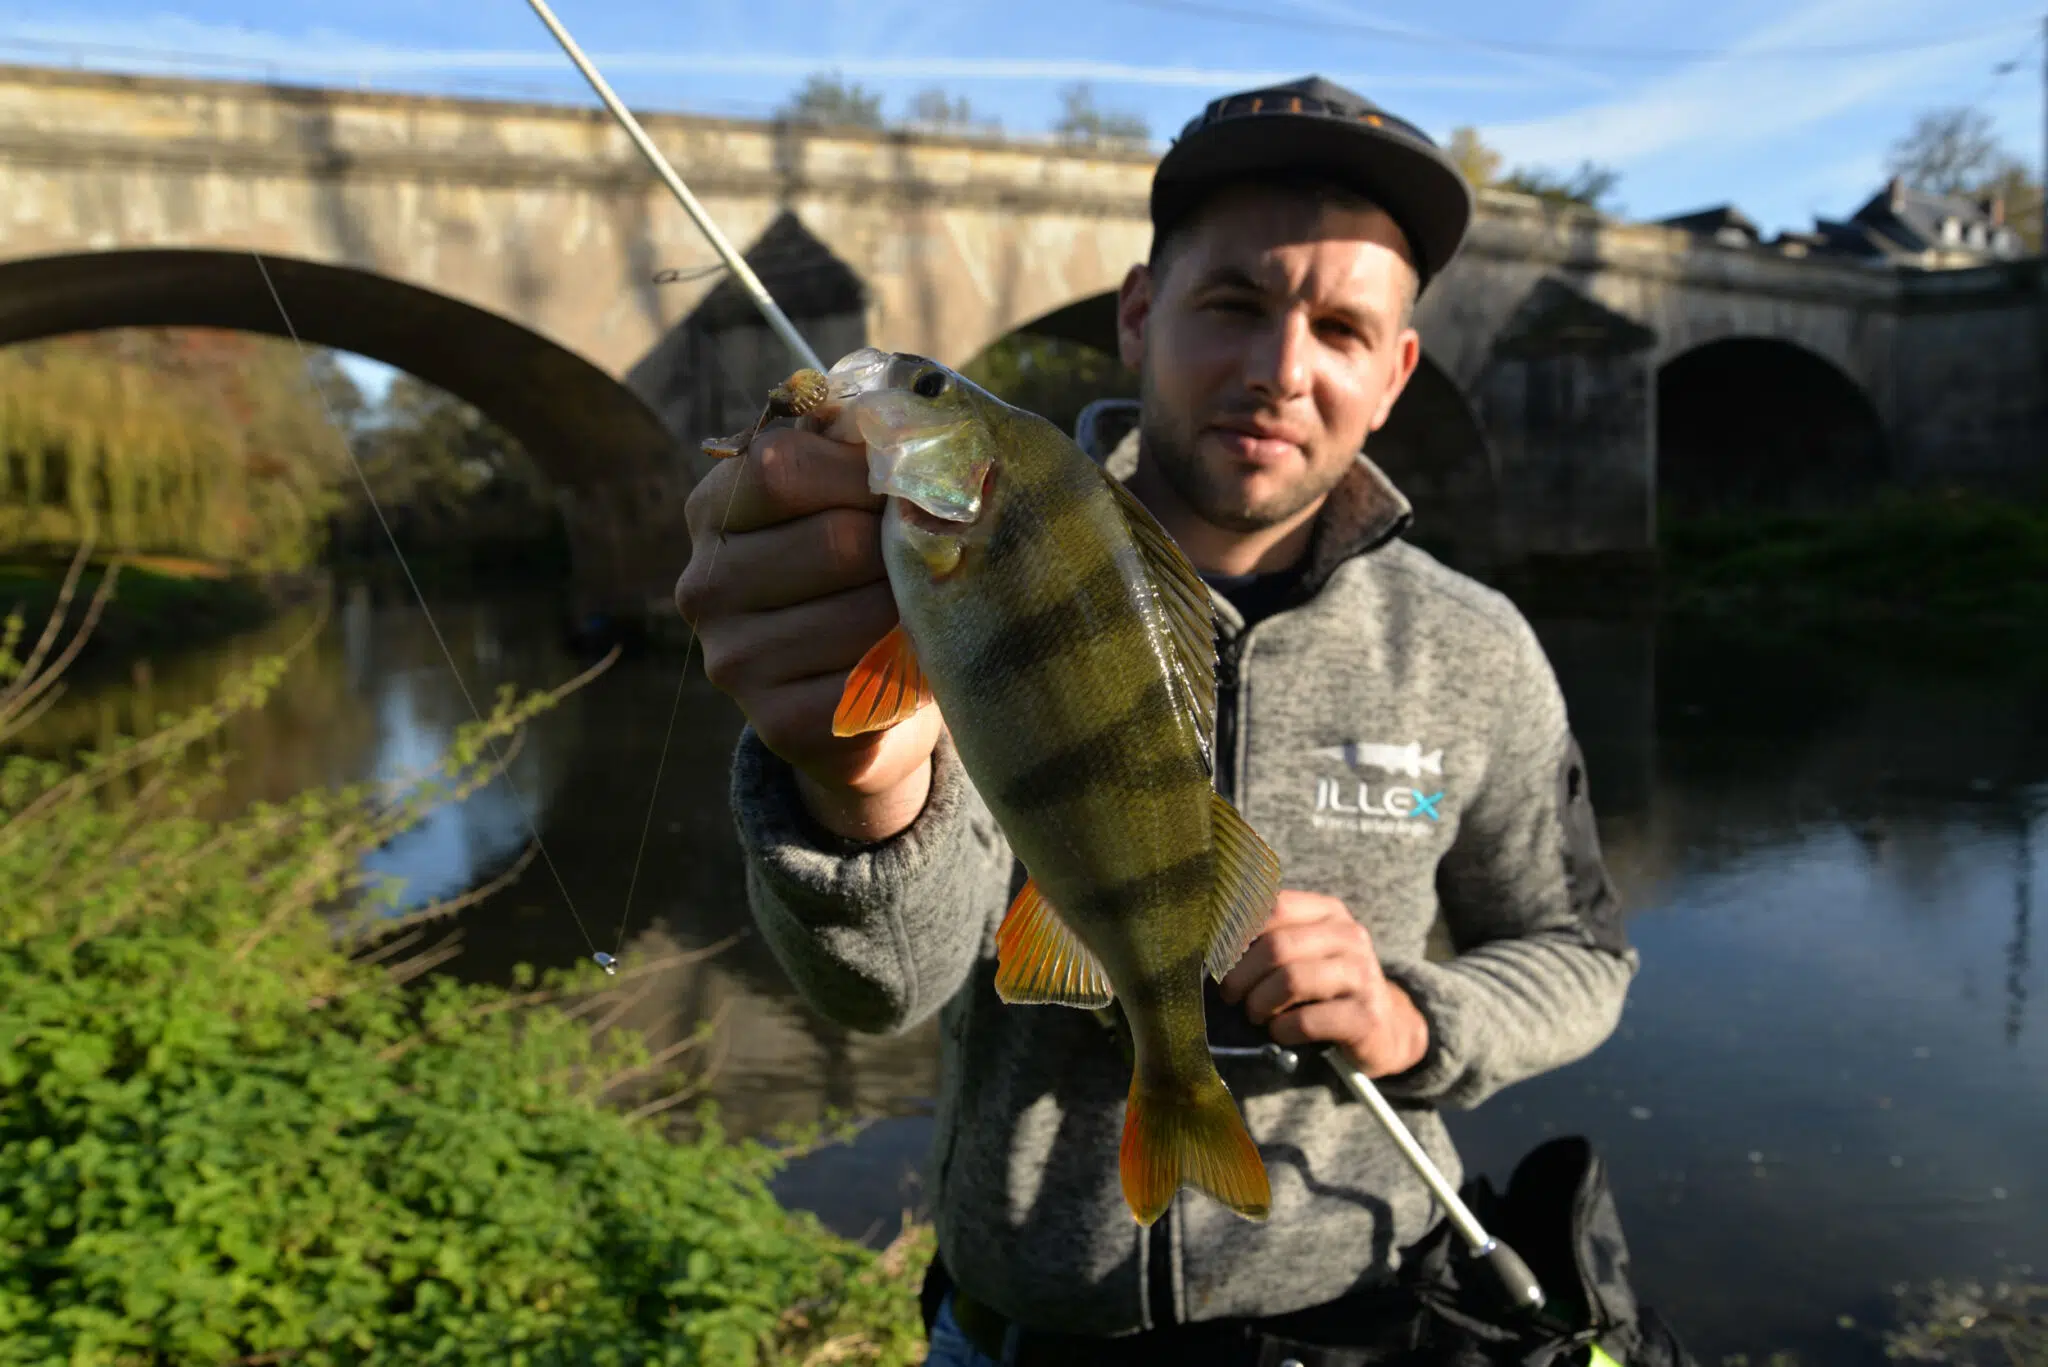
(1117, 817)
(1069, 648)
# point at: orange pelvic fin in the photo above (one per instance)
(886, 687)
(1041, 962)
(1174, 1138)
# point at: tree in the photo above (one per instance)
(1953, 152)
(1050, 376)
(934, 108)
(1948, 152)
(343, 397)
(1479, 163)
(1081, 122)
(1588, 187)
(828, 100)
(2021, 194)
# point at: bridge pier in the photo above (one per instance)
(1568, 401)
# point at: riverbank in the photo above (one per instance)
(158, 606)
(240, 1122)
(1942, 579)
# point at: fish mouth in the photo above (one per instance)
(894, 470)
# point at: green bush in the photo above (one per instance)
(1958, 572)
(231, 1131)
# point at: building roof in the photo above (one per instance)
(1942, 230)
(1724, 223)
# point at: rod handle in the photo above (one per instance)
(1517, 1284)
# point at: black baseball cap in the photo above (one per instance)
(1314, 125)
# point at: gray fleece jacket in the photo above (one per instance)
(1398, 738)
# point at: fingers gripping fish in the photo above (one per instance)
(1071, 648)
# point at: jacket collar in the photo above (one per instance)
(1363, 513)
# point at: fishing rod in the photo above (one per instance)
(1516, 1280)
(734, 262)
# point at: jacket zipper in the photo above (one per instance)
(1227, 653)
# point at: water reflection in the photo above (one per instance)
(1827, 1079)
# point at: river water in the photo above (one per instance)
(1831, 1077)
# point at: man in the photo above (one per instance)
(1391, 728)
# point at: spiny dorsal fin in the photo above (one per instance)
(1039, 960)
(1247, 884)
(1190, 618)
(886, 687)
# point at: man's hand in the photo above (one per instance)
(1312, 977)
(787, 591)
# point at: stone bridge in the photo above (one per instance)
(1576, 369)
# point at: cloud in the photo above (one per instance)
(1342, 11)
(188, 46)
(1732, 106)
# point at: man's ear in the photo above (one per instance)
(1408, 355)
(1133, 308)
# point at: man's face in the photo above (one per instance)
(1272, 343)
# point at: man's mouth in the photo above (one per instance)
(1255, 445)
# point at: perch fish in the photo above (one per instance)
(1070, 647)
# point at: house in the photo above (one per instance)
(1900, 225)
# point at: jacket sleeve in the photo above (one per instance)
(879, 936)
(1542, 965)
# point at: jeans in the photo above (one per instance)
(949, 1347)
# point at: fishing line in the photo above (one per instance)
(741, 273)
(675, 709)
(348, 450)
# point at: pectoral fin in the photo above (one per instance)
(1040, 961)
(1247, 884)
(886, 687)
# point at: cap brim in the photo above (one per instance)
(1417, 186)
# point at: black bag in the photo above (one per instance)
(1559, 1214)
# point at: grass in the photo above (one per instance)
(1954, 575)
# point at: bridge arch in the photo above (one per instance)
(619, 476)
(1761, 424)
(1435, 449)
(579, 424)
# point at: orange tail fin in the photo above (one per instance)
(1195, 1138)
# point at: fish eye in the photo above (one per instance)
(930, 385)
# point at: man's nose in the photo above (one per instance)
(1278, 364)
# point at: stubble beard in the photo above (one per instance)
(1211, 495)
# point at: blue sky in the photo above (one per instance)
(1695, 104)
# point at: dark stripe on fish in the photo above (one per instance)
(1186, 884)
(1032, 639)
(1129, 753)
